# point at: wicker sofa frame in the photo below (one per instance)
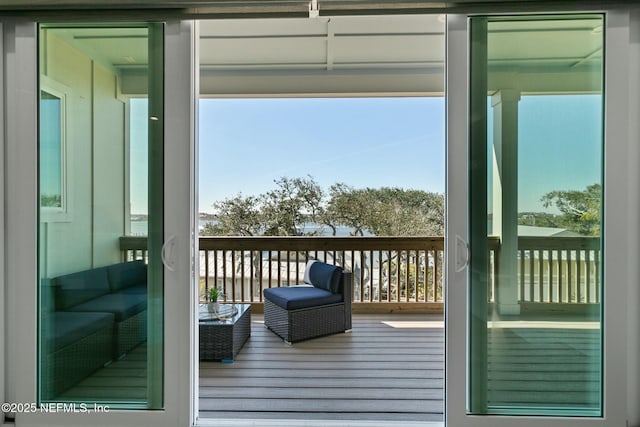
(311, 322)
(130, 333)
(68, 365)
(71, 364)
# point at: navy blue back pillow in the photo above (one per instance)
(324, 276)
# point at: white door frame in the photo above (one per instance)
(21, 233)
(2, 232)
(180, 88)
(619, 230)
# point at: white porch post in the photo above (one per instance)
(505, 197)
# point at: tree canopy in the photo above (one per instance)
(294, 203)
(580, 211)
(297, 202)
(386, 211)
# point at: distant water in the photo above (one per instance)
(139, 228)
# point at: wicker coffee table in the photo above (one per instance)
(222, 340)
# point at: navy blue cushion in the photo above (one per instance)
(76, 288)
(120, 304)
(63, 327)
(324, 276)
(127, 274)
(296, 297)
(136, 290)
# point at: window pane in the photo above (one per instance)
(536, 191)
(100, 312)
(138, 168)
(50, 150)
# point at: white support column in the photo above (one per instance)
(505, 196)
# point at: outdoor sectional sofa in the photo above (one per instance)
(321, 306)
(94, 316)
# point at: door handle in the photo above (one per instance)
(462, 254)
(167, 253)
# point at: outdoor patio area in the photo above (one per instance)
(390, 367)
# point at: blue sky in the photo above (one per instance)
(559, 146)
(246, 144)
(138, 111)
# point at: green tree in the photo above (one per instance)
(294, 202)
(386, 211)
(349, 207)
(237, 216)
(580, 209)
(282, 211)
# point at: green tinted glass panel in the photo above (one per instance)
(535, 334)
(101, 302)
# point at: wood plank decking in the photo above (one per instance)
(545, 368)
(390, 367)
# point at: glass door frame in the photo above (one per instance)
(180, 356)
(616, 229)
(21, 219)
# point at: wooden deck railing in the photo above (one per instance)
(389, 269)
(385, 269)
(559, 269)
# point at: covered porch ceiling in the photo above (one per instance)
(355, 55)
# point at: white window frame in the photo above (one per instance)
(64, 212)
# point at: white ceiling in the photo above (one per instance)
(323, 43)
(323, 55)
(357, 55)
(117, 48)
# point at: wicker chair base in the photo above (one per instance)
(130, 332)
(69, 365)
(305, 323)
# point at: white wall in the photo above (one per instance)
(108, 171)
(95, 150)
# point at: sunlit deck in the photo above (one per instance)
(390, 367)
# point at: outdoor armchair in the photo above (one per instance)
(321, 306)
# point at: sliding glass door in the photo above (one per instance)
(529, 264)
(536, 241)
(112, 243)
(100, 307)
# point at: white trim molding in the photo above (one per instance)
(4, 245)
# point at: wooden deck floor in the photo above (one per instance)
(390, 367)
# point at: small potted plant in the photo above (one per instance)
(212, 298)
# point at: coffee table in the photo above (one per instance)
(222, 340)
